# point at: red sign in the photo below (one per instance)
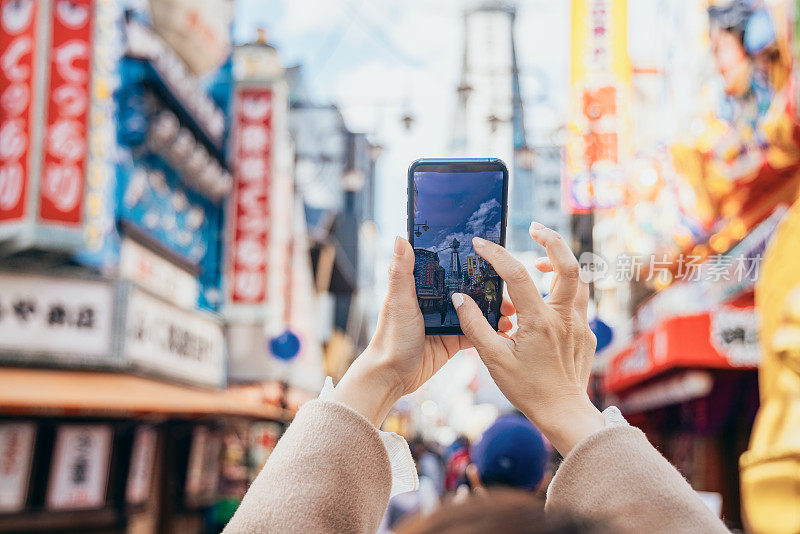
(17, 43)
(247, 263)
(726, 338)
(66, 141)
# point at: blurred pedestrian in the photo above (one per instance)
(510, 453)
(426, 498)
(429, 464)
(456, 462)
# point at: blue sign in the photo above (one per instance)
(603, 333)
(286, 346)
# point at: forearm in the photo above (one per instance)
(329, 473)
(615, 476)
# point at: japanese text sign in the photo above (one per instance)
(65, 143)
(248, 255)
(56, 317)
(17, 44)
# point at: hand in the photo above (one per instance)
(400, 357)
(543, 368)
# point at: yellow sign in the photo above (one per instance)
(597, 131)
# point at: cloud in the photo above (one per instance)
(483, 216)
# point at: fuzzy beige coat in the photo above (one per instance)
(330, 473)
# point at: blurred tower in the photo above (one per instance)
(483, 118)
(490, 121)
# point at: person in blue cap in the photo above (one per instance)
(510, 453)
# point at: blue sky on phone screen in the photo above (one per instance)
(457, 206)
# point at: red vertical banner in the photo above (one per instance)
(250, 211)
(63, 181)
(17, 44)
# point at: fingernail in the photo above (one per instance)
(458, 300)
(536, 226)
(478, 241)
(399, 249)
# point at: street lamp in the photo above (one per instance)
(407, 120)
(464, 90)
(525, 156)
(421, 227)
(494, 121)
(375, 152)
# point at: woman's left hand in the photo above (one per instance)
(400, 357)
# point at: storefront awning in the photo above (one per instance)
(61, 392)
(682, 387)
(723, 338)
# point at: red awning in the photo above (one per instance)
(724, 338)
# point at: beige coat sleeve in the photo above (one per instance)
(329, 473)
(618, 477)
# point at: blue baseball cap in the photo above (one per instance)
(511, 452)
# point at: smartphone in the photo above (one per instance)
(450, 201)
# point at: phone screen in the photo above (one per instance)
(447, 210)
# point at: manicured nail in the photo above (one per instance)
(536, 226)
(458, 300)
(399, 249)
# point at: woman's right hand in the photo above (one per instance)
(543, 368)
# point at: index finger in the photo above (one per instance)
(563, 260)
(521, 288)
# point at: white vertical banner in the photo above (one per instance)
(79, 472)
(16, 453)
(143, 456)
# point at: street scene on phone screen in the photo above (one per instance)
(449, 210)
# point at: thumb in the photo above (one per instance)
(401, 274)
(474, 325)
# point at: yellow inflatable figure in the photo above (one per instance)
(770, 469)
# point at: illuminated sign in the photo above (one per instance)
(17, 44)
(250, 210)
(62, 186)
(597, 128)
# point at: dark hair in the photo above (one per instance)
(497, 510)
(732, 17)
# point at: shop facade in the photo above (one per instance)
(116, 409)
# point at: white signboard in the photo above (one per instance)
(55, 316)
(156, 273)
(198, 31)
(176, 342)
(143, 456)
(16, 453)
(80, 467)
(734, 333)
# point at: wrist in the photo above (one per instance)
(570, 421)
(368, 387)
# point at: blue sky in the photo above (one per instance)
(458, 205)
